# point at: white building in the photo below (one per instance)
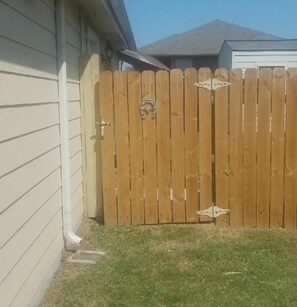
(256, 54)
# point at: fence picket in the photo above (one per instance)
(236, 148)
(150, 152)
(191, 145)
(221, 147)
(250, 103)
(277, 148)
(205, 144)
(263, 147)
(136, 153)
(177, 145)
(107, 150)
(291, 149)
(163, 140)
(122, 147)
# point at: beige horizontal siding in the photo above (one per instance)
(17, 215)
(75, 145)
(16, 184)
(73, 91)
(72, 15)
(74, 110)
(72, 36)
(18, 28)
(74, 128)
(77, 215)
(72, 73)
(31, 63)
(36, 11)
(31, 146)
(22, 120)
(18, 89)
(76, 180)
(16, 247)
(77, 196)
(50, 4)
(35, 280)
(72, 54)
(23, 268)
(75, 163)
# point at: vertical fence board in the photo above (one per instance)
(136, 153)
(150, 152)
(250, 102)
(177, 145)
(163, 141)
(122, 147)
(191, 145)
(291, 149)
(263, 147)
(221, 147)
(205, 144)
(107, 150)
(236, 148)
(277, 148)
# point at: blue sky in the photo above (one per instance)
(152, 20)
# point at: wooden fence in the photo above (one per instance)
(235, 147)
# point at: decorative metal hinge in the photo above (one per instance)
(213, 211)
(212, 84)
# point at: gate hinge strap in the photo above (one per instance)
(212, 84)
(213, 211)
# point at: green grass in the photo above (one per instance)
(181, 265)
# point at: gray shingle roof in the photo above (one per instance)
(204, 40)
(263, 45)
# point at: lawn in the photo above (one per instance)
(181, 265)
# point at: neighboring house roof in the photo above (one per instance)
(262, 45)
(204, 40)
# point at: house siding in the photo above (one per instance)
(255, 59)
(73, 54)
(225, 57)
(31, 239)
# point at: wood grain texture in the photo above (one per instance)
(221, 147)
(277, 147)
(236, 147)
(136, 149)
(191, 145)
(163, 141)
(122, 147)
(263, 148)
(291, 149)
(150, 152)
(205, 144)
(249, 190)
(177, 145)
(107, 150)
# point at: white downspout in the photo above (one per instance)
(71, 240)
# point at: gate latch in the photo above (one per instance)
(212, 84)
(213, 211)
(102, 123)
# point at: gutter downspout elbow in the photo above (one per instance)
(71, 240)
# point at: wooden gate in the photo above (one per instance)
(234, 147)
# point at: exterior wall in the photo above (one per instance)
(73, 54)
(206, 61)
(31, 237)
(225, 57)
(255, 59)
